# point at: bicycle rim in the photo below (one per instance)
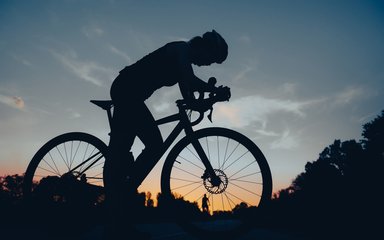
(246, 183)
(76, 157)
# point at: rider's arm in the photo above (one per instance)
(189, 83)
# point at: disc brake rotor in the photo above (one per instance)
(216, 188)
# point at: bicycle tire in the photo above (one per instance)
(61, 155)
(183, 165)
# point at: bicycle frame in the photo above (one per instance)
(144, 164)
(147, 161)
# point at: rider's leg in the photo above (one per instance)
(116, 167)
(124, 200)
(122, 137)
(150, 136)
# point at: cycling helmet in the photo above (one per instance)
(217, 44)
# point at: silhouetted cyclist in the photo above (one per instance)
(167, 66)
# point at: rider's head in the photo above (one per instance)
(208, 49)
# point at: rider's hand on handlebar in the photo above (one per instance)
(202, 105)
(222, 93)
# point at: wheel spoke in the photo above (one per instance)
(89, 157)
(92, 164)
(54, 170)
(186, 185)
(47, 170)
(225, 154)
(229, 201)
(74, 156)
(184, 180)
(66, 156)
(70, 158)
(191, 191)
(247, 175)
(241, 200)
(85, 152)
(187, 172)
(236, 160)
(62, 156)
(229, 156)
(242, 169)
(54, 162)
(191, 162)
(246, 189)
(222, 201)
(197, 157)
(259, 183)
(209, 154)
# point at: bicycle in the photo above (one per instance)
(221, 163)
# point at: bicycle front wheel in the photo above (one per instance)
(67, 167)
(245, 183)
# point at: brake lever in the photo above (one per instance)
(210, 114)
(211, 109)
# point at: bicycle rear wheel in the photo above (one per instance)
(67, 169)
(246, 183)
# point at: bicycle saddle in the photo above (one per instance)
(104, 104)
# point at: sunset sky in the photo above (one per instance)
(302, 73)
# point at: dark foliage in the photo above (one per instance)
(336, 196)
(338, 192)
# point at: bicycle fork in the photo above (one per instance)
(209, 171)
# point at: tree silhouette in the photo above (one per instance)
(373, 132)
(337, 191)
(12, 185)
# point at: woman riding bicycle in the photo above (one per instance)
(167, 66)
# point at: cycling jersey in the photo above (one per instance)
(162, 67)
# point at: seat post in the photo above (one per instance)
(109, 117)
(107, 105)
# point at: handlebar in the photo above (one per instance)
(201, 104)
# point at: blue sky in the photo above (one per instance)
(302, 73)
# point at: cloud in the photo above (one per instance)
(289, 88)
(15, 102)
(242, 112)
(245, 39)
(285, 141)
(22, 60)
(92, 31)
(162, 107)
(73, 114)
(348, 95)
(257, 115)
(267, 133)
(120, 53)
(241, 75)
(87, 70)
